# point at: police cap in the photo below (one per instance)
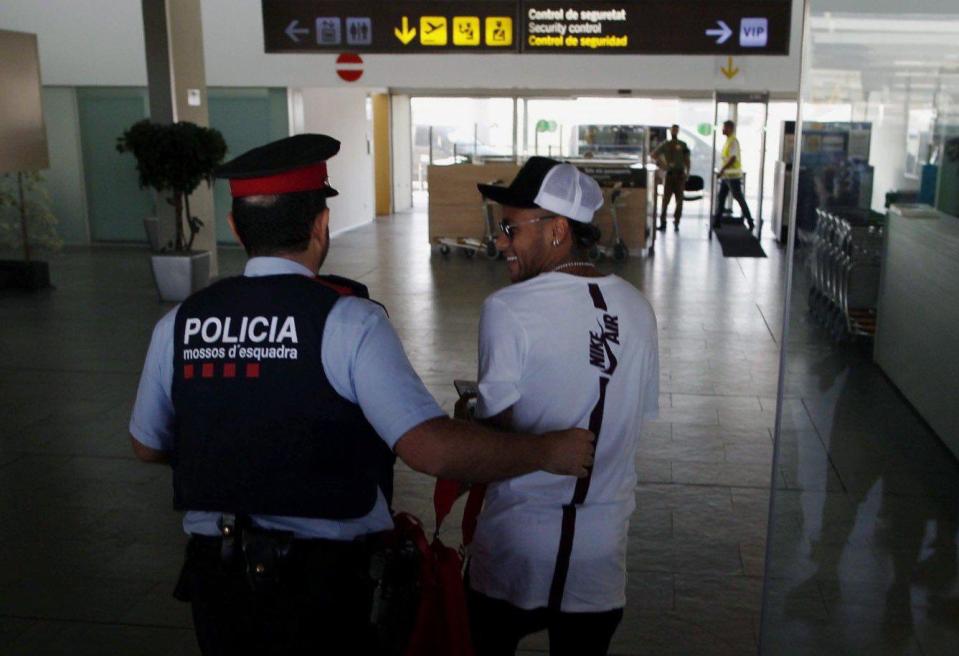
(293, 164)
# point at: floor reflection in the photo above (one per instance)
(863, 555)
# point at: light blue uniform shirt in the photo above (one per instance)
(364, 362)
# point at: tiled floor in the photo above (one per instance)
(91, 546)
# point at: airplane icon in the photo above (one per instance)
(433, 30)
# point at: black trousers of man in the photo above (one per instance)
(320, 605)
(734, 185)
(497, 626)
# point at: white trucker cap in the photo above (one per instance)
(571, 193)
(551, 185)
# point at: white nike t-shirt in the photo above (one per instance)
(544, 347)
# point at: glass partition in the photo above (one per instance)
(247, 118)
(115, 202)
(573, 127)
(458, 130)
(861, 552)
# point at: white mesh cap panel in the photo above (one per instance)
(569, 192)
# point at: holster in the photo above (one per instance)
(257, 555)
(264, 555)
(394, 569)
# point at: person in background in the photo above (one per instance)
(672, 156)
(731, 177)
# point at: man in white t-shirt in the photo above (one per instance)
(563, 345)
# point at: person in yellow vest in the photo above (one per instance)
(672, 157)
(731, 177)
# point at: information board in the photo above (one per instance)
(23, 135)
(403, 27)
(655, 27)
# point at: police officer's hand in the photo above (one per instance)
(569, 452)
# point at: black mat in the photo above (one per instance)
(737, 242)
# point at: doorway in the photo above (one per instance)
(750, 113)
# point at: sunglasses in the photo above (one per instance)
(510, 229)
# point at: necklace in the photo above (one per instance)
(568, 265)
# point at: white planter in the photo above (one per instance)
(179, 275)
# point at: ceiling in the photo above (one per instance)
(896, 59)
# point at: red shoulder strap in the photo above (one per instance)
(474, 504)
(445, 495)
(342, 290)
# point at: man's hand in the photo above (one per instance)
(569, 452)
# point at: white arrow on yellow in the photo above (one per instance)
(406, 34)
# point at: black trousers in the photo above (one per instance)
(734, 185)
(321, 604)
(497, 626)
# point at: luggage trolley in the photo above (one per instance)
(471, 245)
(617, 248)
(844, 266)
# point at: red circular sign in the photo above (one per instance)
(349, 66)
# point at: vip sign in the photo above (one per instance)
(754, 32)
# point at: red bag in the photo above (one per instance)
(441, 627)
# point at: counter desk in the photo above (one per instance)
(456, 207)
(917, 338)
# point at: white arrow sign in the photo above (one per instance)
(292, 30)
(723, 33)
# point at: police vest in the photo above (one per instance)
(259, 429)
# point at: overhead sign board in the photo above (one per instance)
(403, 27)
(655, 27)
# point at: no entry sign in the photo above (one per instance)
(349, 66)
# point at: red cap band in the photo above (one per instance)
(303, 179)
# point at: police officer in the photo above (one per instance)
(731, 177)
(673, 157)
(280, 398)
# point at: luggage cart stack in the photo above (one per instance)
(471, 246)
(844, 266)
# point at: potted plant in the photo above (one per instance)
(26, 223)
(175, 158)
